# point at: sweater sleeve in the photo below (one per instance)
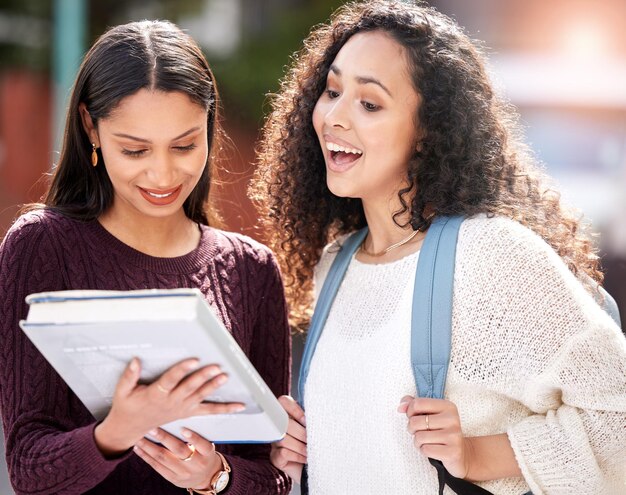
(45, 452)
(567, 365)
(270, 353)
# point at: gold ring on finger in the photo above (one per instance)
(192, 451)
(426, 418)
(162, 389)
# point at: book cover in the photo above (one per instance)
(90, 336)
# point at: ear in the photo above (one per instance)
(88, 125)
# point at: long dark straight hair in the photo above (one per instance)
(155, 55)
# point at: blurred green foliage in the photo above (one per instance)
(26, 40)
(254, 71)
(25, 36)
(104, 14)
(244, 78)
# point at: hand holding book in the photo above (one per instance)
(177, 394)
(129, 357)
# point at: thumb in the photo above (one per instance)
(404, 403)
(130, 377)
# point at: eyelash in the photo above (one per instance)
(369, 107)
(137, 153)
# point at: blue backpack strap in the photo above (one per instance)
(431, 317)
(431, 326)
(322, 308)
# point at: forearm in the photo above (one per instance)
(491, 457)
(83, 467)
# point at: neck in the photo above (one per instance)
(384, 232)
(161, 237)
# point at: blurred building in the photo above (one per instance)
(563, 65)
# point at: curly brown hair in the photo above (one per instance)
(473, 158)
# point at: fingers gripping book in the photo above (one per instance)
(89, 337)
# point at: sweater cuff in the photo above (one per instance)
(255, 476)
(547, 460)
(88, 455)
(522, 442)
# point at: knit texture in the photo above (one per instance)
(50, 447)
(533, 356)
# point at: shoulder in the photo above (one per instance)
(503, 242)
(497, 230)
(517, 269)
(40, 220)
(31, 246)
(31, 226)
(506, 252)
(243, 248)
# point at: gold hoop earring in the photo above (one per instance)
(94, 155)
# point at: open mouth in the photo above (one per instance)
(343, 155)
(161, 198)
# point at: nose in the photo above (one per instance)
(337, 113)
(162, 170)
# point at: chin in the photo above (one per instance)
(342, 190)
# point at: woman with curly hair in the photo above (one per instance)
(387, 119)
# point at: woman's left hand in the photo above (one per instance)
(190, 464)
(436, 428)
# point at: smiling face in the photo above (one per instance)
(155, 147)
(365, 119)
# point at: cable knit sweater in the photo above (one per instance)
(532, 355)
(49, 433)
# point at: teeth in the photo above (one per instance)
(336, 147)
(155, 195)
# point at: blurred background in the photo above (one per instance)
(562, 63)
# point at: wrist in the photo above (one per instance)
(473, 468)
(490, 457)
(216, 467)
(219, 478)
(111, 440)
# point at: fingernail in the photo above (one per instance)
(192, 365)
(186, 433)
(221, 379)
(134, 364)
(213, 373)
(239, 408)
(303, 420)
(154, 432)
(136, 448)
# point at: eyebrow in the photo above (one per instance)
(363, 79)
(142, 140)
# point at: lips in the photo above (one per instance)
(342, 156)
(161, 197)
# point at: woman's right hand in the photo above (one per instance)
(178, 393)
(289, 455)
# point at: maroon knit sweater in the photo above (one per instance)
(50, 447)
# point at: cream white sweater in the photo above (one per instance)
(533, 355)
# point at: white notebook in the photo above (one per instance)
(90, 336)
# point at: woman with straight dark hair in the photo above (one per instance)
(387, 124)
(127, 209)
